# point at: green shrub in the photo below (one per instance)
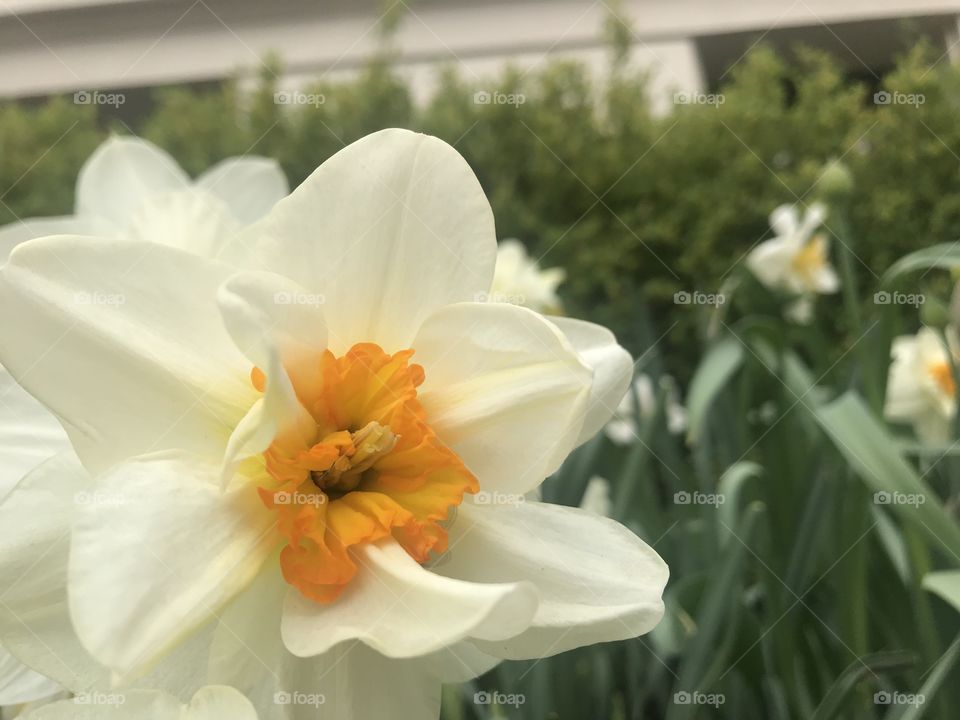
(635, 207)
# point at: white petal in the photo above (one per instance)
(22, 230)
(124, 343)
(29, 434)
(282, 337)
(156, 552)
(110, 705)
(612, 369)
(250, 186)
(19, 684)
(504, 389)
(598, 581)
(770, 261)
(403, 610)
(209, 703)
(35, 523)
(784, 220)
(189, 220)
(596, 497)
(248, 654)
(388, 230)
(218, 703)
(121, 174)
(813, 218)
(826, 280)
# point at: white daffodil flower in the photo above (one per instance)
(209, 703)
(623, 428)
(310, 476)
(596, 497)
(520, 280)
(795, 260)
(920, 387)
(130, 189)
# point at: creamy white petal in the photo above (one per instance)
(403, 610)
(813, 218)
(389, 229)
(597, 580)
(209, 703)
(250, 186)
(504, 389)
(188, 219)
(826, 280)
(22, 230)
(596, 497)
(770, 261)
(125, 344)
(121, 174)
(279, 335)
(785, 220)
(19, 684)
(35, 523)
(612, 369)
(29, 433)
(248, 654)
(157, 552)
(35, 621)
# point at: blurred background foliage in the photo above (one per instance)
(797, 597)
(636, 207)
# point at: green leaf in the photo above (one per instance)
(930, 687)
(836, 696)
(945, 256)
(715, 370)
(945, 584)
(872, 453)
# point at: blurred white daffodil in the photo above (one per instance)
(920, 387)
(796, 259)
(130, 189)
(623, 428)
(520, 280)
(266, 470)
(596, 497)
(209, 703)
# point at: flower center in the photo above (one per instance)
(811, 259)
(942, 375)
(369, 468)
(358, 452)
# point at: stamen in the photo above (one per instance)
(367, 445)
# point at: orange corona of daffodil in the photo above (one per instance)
(371, 469)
